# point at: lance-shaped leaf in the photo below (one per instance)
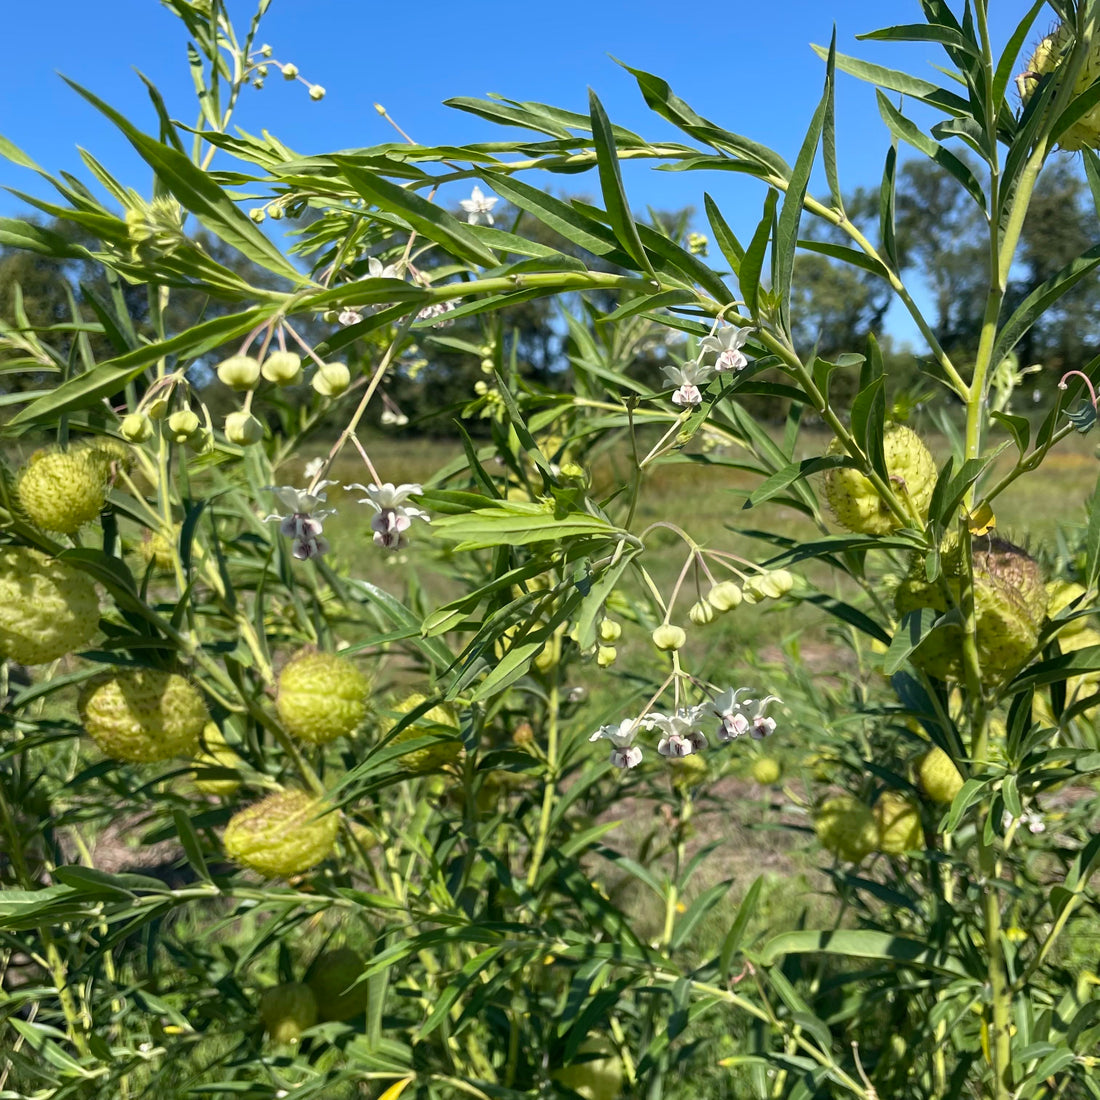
(198, 193)
(428, 219)
(611, 183)
(864, 945)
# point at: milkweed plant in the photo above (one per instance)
(410, 764)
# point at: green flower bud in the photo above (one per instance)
(609, 631)
(724, 596)
(316, 92)
(331, 379)
(606, 656)
(284, 368)
(668, 636)
(241, 372)
(157, 409)
(702, 613)
(243, 429)
(136, 427)
(257, 214)
(290, 72)
(183, 425)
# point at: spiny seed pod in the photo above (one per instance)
(321, 697)
(766, 770)
(217, 754)
(669, 637)
(63, 490)
(939, 778)
(240, 372)
(853, 499)
(285, 834)
(439, 720)
(846, 827)
(287, 1010)
(284, 368)
(136, 427)
(597, 1073)
(243, 429)
(334, 981)
(1010, 603)
(1048, 57)
(142, 715)
(331, 379)
(897, 819)
(47, 608)
(724, 596)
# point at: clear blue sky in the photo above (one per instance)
(748, 66)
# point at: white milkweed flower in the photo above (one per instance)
(726, 344)
(302, 519)
(624, 753)
(681, 733)
(313, 467)
(377, 270)
(1031, 821)
(735, 719)
(687, 379)
(393, 516)
(478, 204)
(349, 317)
(437, 310)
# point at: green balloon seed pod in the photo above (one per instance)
(143, 715)
(321, 697)
(47, 608)
(285, 834)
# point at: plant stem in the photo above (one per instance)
(553, 703)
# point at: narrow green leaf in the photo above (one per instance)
(790, 216)
(907, 130)
(828, 132)
(199, 194)
(753, 262)
(611, 184)
(425, 217)
(726, 238)
(914, 628)
(886, 205)
(792, 472)
(865, 945)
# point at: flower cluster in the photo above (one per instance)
(393, 516)
(725, 345)
(684, 732)
(303, 518)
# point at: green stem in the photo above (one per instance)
(552, 704)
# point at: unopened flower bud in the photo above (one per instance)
(183, 425)
(668, 636)
(316, 92)
(606, 656)
(573, 471)
(290, 72)
(487, 366)
(724, 596)
(257, 214)
(276, 212)
(523, 734)
(157, 409)
(136, 427)
(284, 368)
(702, 613)
(608, 630)
(243, 429)
(331, 379)
(241, 372)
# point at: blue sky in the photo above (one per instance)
(747, 66)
